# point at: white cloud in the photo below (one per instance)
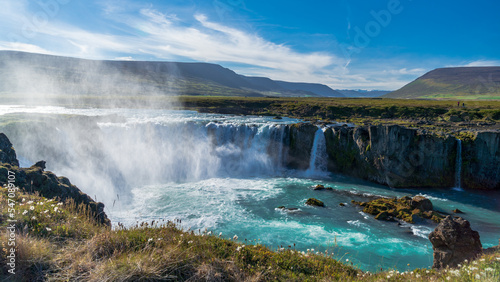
(483, 63)
(23, 47)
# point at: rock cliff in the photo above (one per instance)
(481, 161)
(392, 155)
(300, 139)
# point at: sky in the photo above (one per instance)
(345, 44)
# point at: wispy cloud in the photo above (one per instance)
(24, 47)
(483, 63)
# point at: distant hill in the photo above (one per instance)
(454, 83)
(362, 93)
(28, 73)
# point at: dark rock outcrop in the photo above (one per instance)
(46, 183)
(421, 203)
(454, 241)
(7, 152)
(315, 202)
(319, 187)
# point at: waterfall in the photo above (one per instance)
(318, 161)
(458, 166)
(150, 148)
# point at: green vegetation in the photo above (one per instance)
(60, 241)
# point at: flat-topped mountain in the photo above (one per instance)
(458, 83)
(53, 75)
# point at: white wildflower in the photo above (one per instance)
(190, 242)
(48, 229)
(220, 234)
(23, 200)
(150, 239)
(473, 268)
(209, 233)
(29, 202)
(32, 208)
(347, 260)
(59, 204)
(45, 211)
(55, 209)
(482, 259)
(448, 278)
(33, 218)
(25, 212)
(478, 276)
(235, 237)
(489, 269)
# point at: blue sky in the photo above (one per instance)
(357, 44)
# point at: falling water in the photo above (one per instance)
(458, 165)
(318, 162)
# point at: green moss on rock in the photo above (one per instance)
(405, 208)
(315, 202)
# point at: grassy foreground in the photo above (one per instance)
(59, 241)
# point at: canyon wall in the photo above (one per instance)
(404, 157)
